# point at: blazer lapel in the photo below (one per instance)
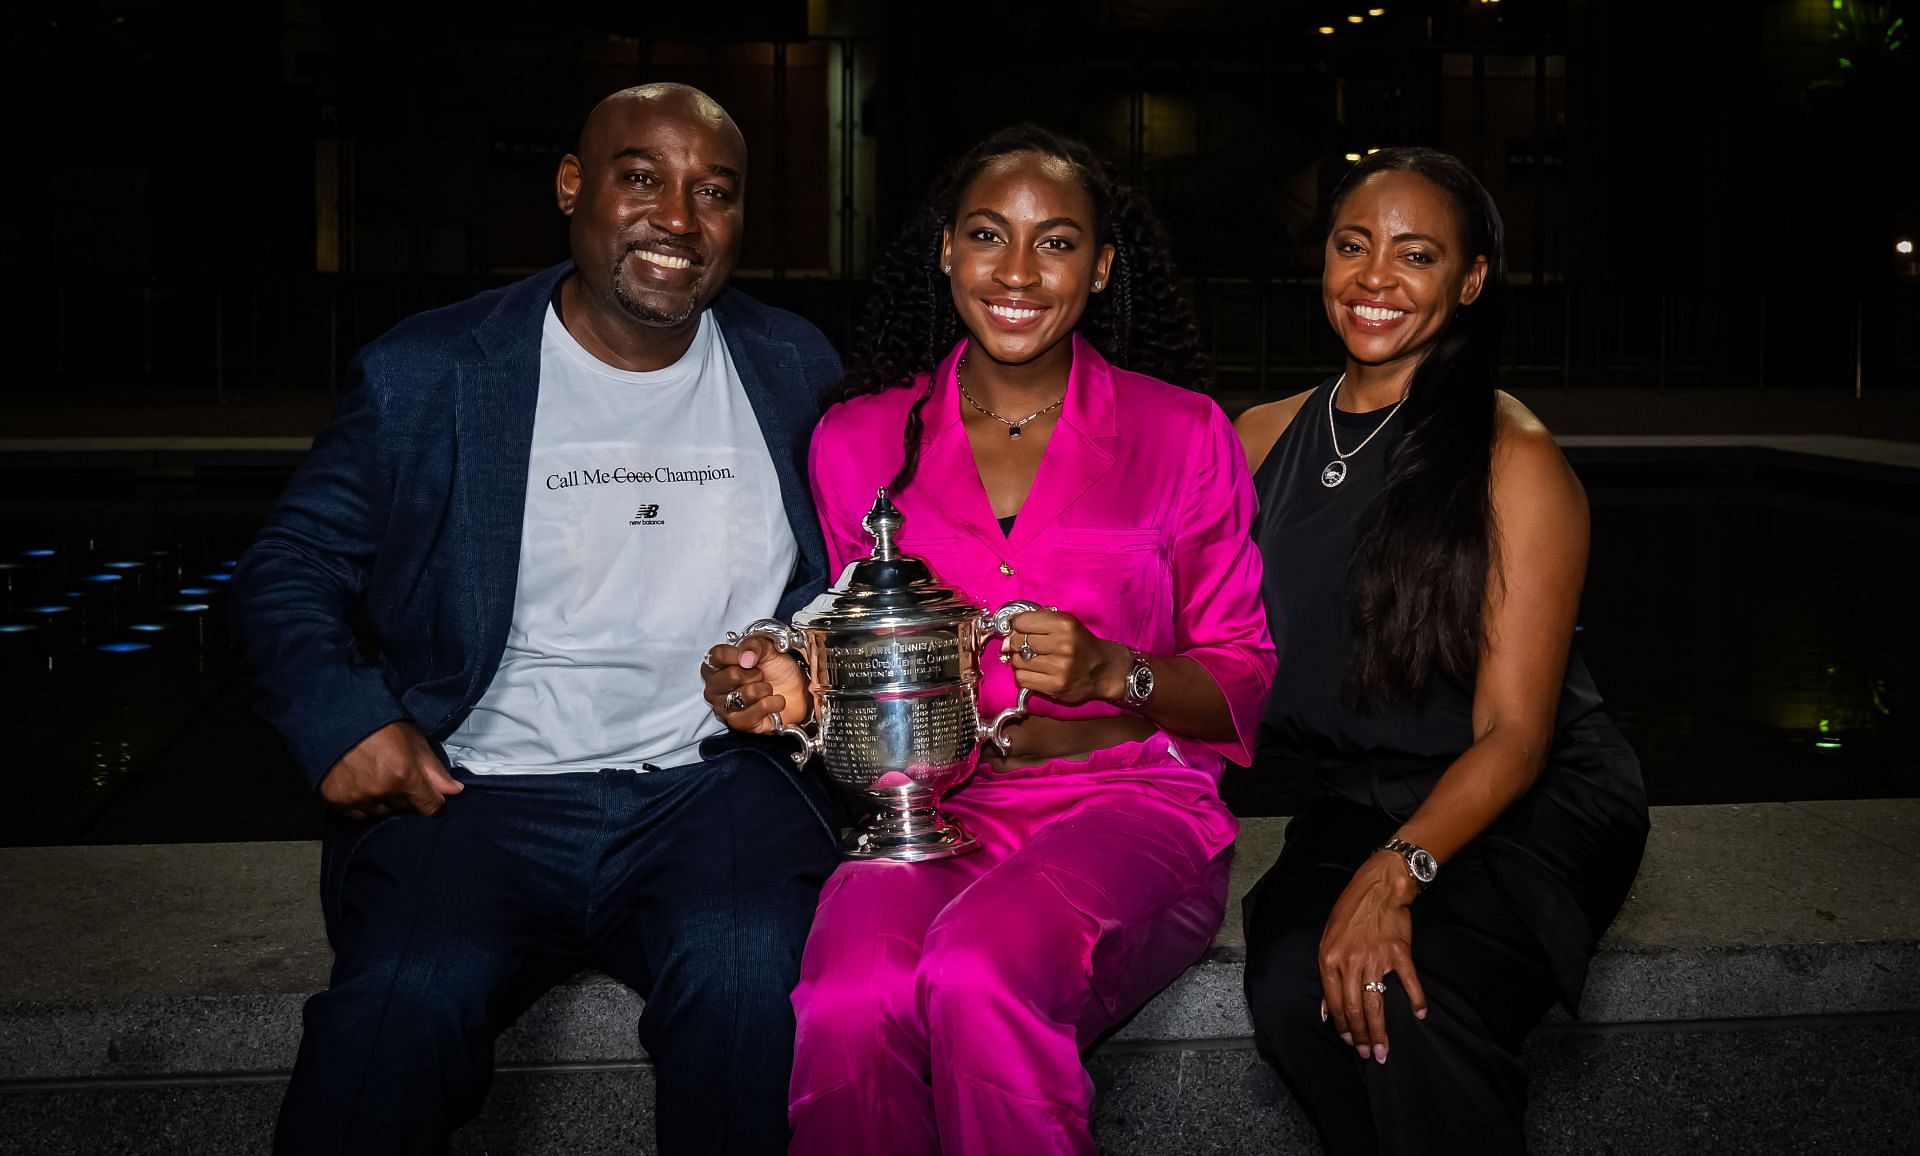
(495, 398)
(946, 454)
(1081, 450)
(774, 378)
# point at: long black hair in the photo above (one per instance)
(1142, 322)
(1418, 576)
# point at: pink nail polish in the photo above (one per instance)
(1421, 1014)
(1380, 1053)
(1347, 1038)
(1323, 1013)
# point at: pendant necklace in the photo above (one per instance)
(1013, 427)
(1336, 470)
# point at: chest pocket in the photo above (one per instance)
(944, 554)
(1120, 580)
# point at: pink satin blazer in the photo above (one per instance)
(1137, 524)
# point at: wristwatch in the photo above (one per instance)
(1420, 863)
(1139, 681)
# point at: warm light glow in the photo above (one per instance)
(1356, 19)
(1326, 30)
(1353, 156)
(1376, 11)
(1904, 248)
(1370, 152)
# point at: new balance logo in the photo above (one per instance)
(647, 516)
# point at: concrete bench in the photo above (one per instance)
(1759, 993)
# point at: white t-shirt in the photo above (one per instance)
(654, 524)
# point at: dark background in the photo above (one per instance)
(223, 201)
(209, 207)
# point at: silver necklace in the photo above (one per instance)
(1336, 470)
(1013, 427)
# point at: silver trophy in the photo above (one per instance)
(893, 663)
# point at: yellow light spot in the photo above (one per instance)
(1353, 156)
(1376, 11)
(1356, 19)
(1370, 152)
(1326, 30)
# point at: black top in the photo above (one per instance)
(1006, 524)
(1307, 532)
(1576, 835)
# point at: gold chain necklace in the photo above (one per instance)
(1013, 427)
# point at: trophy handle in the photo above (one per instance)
(995, 731)
(783, 638)
(1001, 622)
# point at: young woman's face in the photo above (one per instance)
(1397, 267)
(1024, 256)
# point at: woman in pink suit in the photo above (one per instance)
(943, 1006)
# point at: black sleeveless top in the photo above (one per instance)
(1575, 836)
(1307, 532)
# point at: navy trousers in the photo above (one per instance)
(695, 886)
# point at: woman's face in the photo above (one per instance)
(1397, 267)
(1024, 256)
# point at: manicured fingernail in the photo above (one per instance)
(1421, 1014)
(748, 659)
(1323, 1013)
(1347, 1037)
(1379, 1053)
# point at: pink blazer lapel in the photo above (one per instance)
(1081, 450)
(946, 460)
(1079, 454)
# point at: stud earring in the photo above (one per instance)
(1099, 285)
(947, 269)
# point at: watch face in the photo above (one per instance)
(1140, 682)
(1424, 867)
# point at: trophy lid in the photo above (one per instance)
(886, 588)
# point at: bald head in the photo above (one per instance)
(677, 100)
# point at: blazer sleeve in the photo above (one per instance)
(1219, 618)
(297, 587)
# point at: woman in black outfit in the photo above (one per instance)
(1478, 819)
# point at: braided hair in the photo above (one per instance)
(1142, 322)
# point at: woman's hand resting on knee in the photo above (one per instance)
(1368, 934)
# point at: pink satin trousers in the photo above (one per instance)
(943, 1006)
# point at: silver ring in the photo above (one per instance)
(735, 702)
(1026, 649)
(1378, 986)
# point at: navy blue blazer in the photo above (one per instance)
(404, 521)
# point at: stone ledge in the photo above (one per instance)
(172, 961)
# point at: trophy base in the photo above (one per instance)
(906, 827)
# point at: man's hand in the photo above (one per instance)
(392, 769)
(747, 684)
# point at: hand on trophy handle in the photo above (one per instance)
(1001, 622)
(757, 677)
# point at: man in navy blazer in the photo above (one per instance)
(476, 616)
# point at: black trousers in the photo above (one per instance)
(695, 886)
(1453, 1082)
